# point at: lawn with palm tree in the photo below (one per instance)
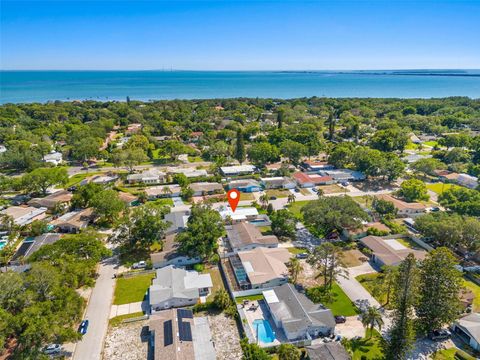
(368, 348)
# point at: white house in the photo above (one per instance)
(296, 315)
(468, 329)
(54, 157)
(170, 256)
(278, 182)
(238, 170)
(176, 287)
(148, 177)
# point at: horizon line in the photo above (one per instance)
(254, 70)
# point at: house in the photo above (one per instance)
(405, 209)
(297, 315)
(356, 234)
(163, 191)
(148, 177)
(328, 351)
(468, 181)
(170, 255)
(390, 252)
(305, 180)
(315, 166)
(54, 157)
(189, 172)
(468, 329)
(446, 175)
(24, 215)
(415, 157)
(101, 179)
(30, 246)
(74, 221)
(178, 221)
(340, 175)
(133, 128)
(244, 236)
(176, 287)
(415, 139)
(246, 185)
(206, 188)
(240, 214)
(178, 335)
(272, 168)
(59, 200)
(238, 170)
(279, 182)
(128, 199)
(261, 268)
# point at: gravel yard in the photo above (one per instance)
(225, 337)
(127, 342)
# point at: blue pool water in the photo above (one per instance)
(2, 244)
(264, 331)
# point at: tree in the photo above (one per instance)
(181, 179)
(107, 204)
(329, 214)
(342, 155)
(38, 227)
(129, 157)
(264, 200)
(288, 352)
(187, 193)
(280, 118)
(440, 284)
(39, 180)
(240, 154)
(221, 299)
(293, 150)
(86, 148)
(84, 194)
(328, 259)
(372, 317)
(461, 200)
(143, 227)
(295, 268)
(391, 139)
(384, 208)
(427, 166)
(204, 227)
(283, 224)
(402, 333)
(253, 351)
(413, 190)
(443, 228)
(263, 153)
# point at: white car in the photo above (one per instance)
(52, 349)
(139, 265)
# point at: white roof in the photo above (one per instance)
(195, 280)
(270, 297)
(240, 213)
(237, 169)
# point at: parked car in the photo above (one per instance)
(83, 327)
(139, 265)
(302, 256)
(273, 198)
(297, 190)
(52, 349)
(345, 183)
(440, 334)
(340, 319)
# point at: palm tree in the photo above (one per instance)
(371, 318)
(264, 200)
(221, 299)
(166, 190)
(320, 193)
(291, 198)
(294, 269)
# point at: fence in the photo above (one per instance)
(130, 274)
(138, 318)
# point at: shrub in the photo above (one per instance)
(199, 267)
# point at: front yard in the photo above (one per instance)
(246, 196)
(452, 354)
(332, 189)
(367, 348)
(278, 193)
(373, 284)
(441, 187)
(132, 289)
(337, 300)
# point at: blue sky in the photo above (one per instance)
(234, 35)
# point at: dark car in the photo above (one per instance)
(83, 327)
(340, 319)
(302, 256)
(297, 190)
(273, 198)
(440, 334)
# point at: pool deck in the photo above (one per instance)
(261, 313)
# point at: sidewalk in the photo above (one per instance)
(125, 309)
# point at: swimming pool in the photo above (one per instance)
(263, 330)
(2, 244)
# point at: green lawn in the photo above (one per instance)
(295, 250)
(246, 196)
(337, 300)
(452, 354)
(296, 207)
(441, 187)
(240, 299)
(431, 143)
(365, 201)
(133, 289)
(476, 292)
(117, 320)
(77, 178)
(371, 282)
(368, 348)
(164, 201)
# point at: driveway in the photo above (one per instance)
(98, 311)
(355, 290)
(202, 340)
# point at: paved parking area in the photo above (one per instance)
(202, 340)
(351, 328)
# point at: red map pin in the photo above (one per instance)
(233, 197)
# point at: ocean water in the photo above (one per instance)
(42, 86)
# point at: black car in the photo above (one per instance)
(83, 327)
(340, 319)
(440, 334)
(302, 256)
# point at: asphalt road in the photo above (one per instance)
(98, 311)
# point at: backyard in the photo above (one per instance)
(336, 300)
(132, 289)
(216, 280)
(475, 289)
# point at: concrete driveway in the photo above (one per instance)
(355, 290)
(202, 340)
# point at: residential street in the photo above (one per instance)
(98, 311)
